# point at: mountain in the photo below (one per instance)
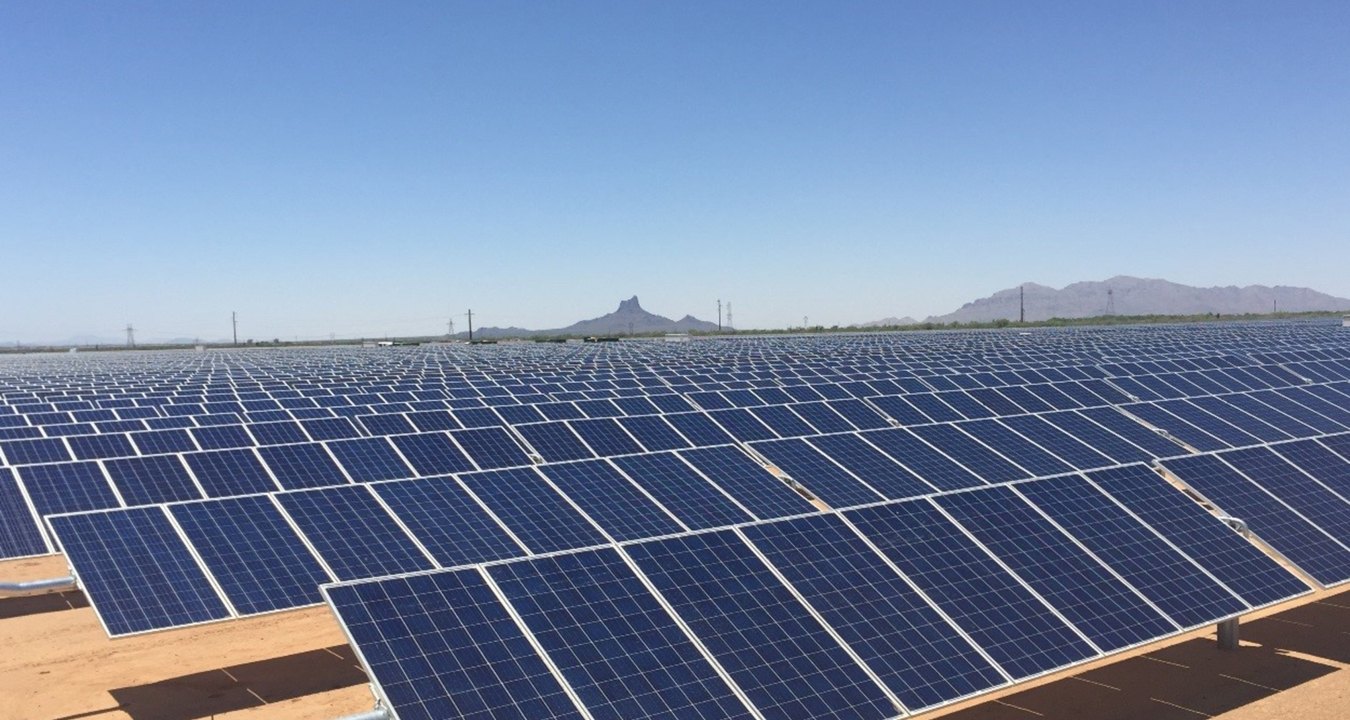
(891, 322)
(1140, 296)
(629, 319)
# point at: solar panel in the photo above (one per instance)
(1156, 445)
(152, 479)
(614, 503)
(617, 646)
(742, 425)
(1112, 614)
(370, 459)
(44, 450)
(865, 461)
(822, 417)
(826, 480)
(920, 458)
(1232, 560)
(432, 453)
(276, 433)
(782, 421)
(606, 437)
(1003, 617)
(1169, 579)
(654, 433)
(1026, 454)
(490, 448)
(682, 491)
(747, 481)
(913, 649)
(67, 487)
(1303, 543)
(787, 663)
(1314, 458)
(533, 511)
(555, 441)
(1232, 415)
(137, 571)
(443, 645)
(96, 447)
(449, 523)
(222, 437)
(352, 533)
(153, 442)
(972, 454)
(699, 429)
(20, 535)
(261, 564)
(224, 473)
(1099, 438)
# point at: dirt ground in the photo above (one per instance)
(58, 665)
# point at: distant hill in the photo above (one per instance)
(891, 322)
(629, 319)
(1140, 296)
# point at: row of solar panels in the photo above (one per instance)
(1010, 448)
(844, 469)
(872, 612)
(361, 531)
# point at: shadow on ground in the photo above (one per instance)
(205, 694)
(35, 604)
(1194, 678)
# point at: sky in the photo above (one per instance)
(372, 168)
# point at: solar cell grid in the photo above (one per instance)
(685, 493)
(152, 479)
(922, 459)
(603, 493)
(352, 533)
(605, 436)
(532, 510)
(306, 465)
(370, 459)
(823, 478)
(747, 481)
(432, 454)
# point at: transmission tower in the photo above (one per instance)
(131, 336)
(730, 325)
(1110, 301)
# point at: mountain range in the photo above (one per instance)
(628, 319)
(1125, 295)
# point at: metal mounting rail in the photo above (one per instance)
(37, 587)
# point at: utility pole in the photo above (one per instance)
(131, 336)
(804, 323)
(1110, 301)
(719, 314)
(1275, 306)
(730, 325)
(234, 320)
(450, 328)
(470, 325)
(1021, 303)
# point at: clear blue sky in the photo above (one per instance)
(366, 168)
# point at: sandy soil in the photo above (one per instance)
(58, 665)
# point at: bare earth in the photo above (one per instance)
(58, 664)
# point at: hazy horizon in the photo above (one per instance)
(369, 169)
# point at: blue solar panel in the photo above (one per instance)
(1271, 520)
(44, 450)
(223, 473)
(19, 532)
(1015, 447)
(1103, 607)
(932, 406)
(683, 492)
(865, 461)
(822, 417)
(1169, 579)
(370, 459)
(1156, 445)
(826, 480)
(781, 656)
(699, 429)
(152, 442)
(1196, 436)
(1232, 415)
(152, 479)
(783, 421)
(95, 447)
(605, 437)
(1306, 425)
(330, 428)
(222, 437)
(67, 487)
(1313, 457)
(491, 448)
(432, 453)
(1234, 561)
(385, 424)
(615, 504)
(913, 649)
(859, 413)
(534, 512)
(1070, 449)
(555, 441)
(450, 524)
(747, 481)
(277, 433)
(619, 649)
(352, 533)
(920, 458)
(1120, 450)
(654, 433)
(297, 467)
(136, 570)
(972, 455)
(742, 425)
(443, 646)
(1013, 626)
(255, 555)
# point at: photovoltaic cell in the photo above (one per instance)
(699, 429)
(1103, 607)
(255, 555)
(370, 459)
(920, 458)
(1013, 626)
(153, 442)
(654, 433)
(1312, 457)
(137, 571)
(784, 660)
(491, 448)
(747, 481)
(453, 527)
(555, 441)
(432, 454)
(1036, 460)
(19, 532)
(682, 490)
(913, 649)
(298, 467)
(1166, 577)
(619, 649)
(40, 450)
(1099, 438)
(444, 646)
(1226, 555)
(352, 533)
(1156, 445)
(611, 500)
(826, 480)
(223, 473)
(152, 479)
(537, 515)
(865, 461)
(1292, 535)
(606, 437)
(95, 447)
(968, 451)
(1051, 438)
(67, 487)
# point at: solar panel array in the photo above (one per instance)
(887, 522)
